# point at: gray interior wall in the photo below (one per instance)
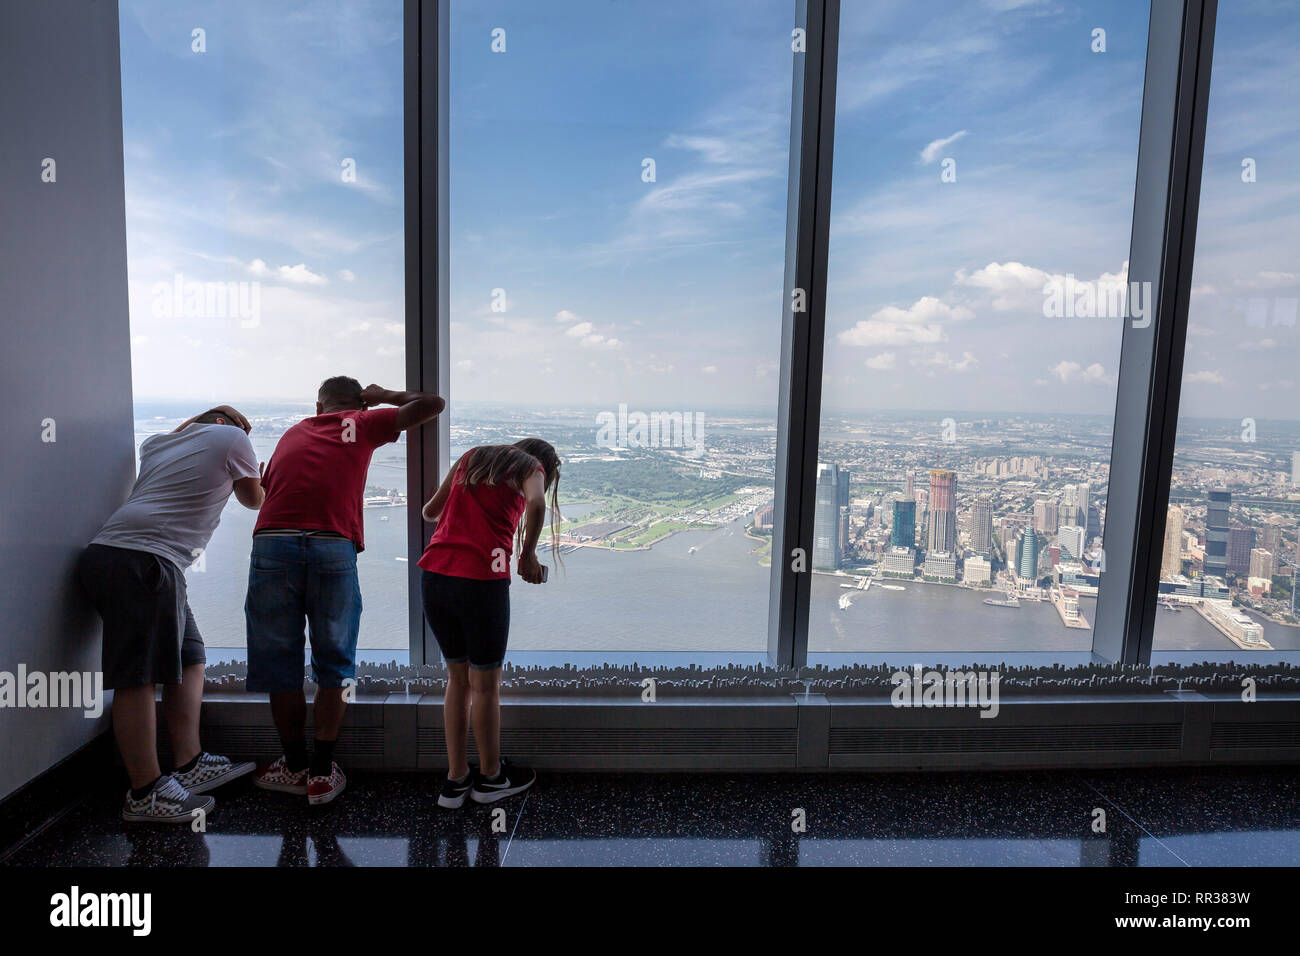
(65, 352)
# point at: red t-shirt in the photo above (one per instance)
(476, 520)
(316, 478)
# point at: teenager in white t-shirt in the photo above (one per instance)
(134, 573)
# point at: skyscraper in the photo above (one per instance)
(1295, 469)
(1261, 564)
(1171, 562)
(1217, 506)
(826, 519)
(1045, 516)
(1071, 538)
(1027, 557)
(942, 534)
(1241, 541)
(903, 532)
(981, 525)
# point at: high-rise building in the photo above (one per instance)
(1261, 564)
(981, 525)
(1241, 541)
(1171, 561)
(1027, 557)
(910, 490)
(1271, 540)
(1295, 469)
(1071, 538)
(826, 519)
(978, 570)
(1045, 516)
(942, 534)
(1217, 506)
(842, 480)
(902, 534)
(1093, 524)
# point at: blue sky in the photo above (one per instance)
(668, 293)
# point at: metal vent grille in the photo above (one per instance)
(235, 740)
(1276, 734)
(630, 741)
(1033, 739)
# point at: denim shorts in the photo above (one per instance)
(295, 579)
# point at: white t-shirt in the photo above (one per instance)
(185, 480)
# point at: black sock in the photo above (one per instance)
(295, 755)
(322, 757)
(188, 766)
(143, 792)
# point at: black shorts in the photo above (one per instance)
(469, 618)
(149, 630)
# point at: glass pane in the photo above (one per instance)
(984, 175)
(1228, 566)
(618, 188)
(263, 147)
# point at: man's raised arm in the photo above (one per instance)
(413, 408)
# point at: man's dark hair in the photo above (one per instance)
(212, 417)
(340, 392)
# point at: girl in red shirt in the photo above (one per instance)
(466, 589)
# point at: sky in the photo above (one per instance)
(579, 279)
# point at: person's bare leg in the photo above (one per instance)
(181, 703)
(455, 719)
(289, 711)
(485, 690)
(328, 709)
(135, 726)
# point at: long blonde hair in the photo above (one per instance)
(512, 465)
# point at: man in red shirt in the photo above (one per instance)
(304, 568)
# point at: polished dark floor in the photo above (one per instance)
(1241, 817)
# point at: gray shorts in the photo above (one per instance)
(149, 630)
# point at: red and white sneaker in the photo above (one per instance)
(324, 789)
(278, 776)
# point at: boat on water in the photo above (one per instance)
(846, 602)
(400, 559)
(892, 587)
(692, 551)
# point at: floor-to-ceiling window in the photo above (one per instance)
(1229, 555)
(263, 149)
(984, 171)
(618, 179)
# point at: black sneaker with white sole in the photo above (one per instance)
(453, 794)
(211, 772)
(510, 779)
(167, 802)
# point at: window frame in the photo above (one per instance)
(1162, 249)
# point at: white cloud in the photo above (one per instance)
(564, 315)
(301, 275)
(1072, 373)
(581, 330)
(709, 370)
(918, 324)
(347, 275)
(943, 360)
(933, 148)
(1206, 377)
(882, 362)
